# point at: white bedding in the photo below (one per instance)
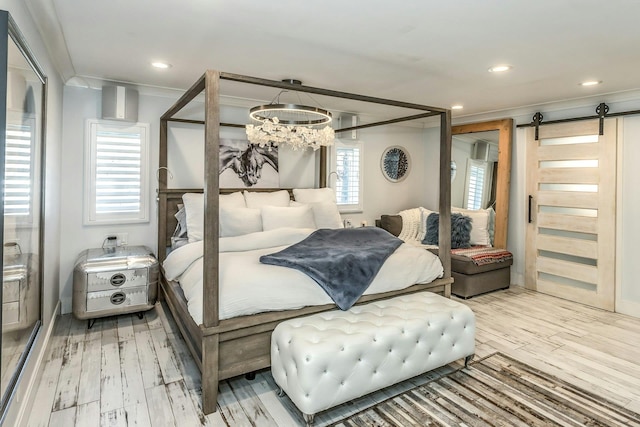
(249, 287)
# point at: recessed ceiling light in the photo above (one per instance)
(591, 83)
(456, 107)
(161, 65)
(500, 68)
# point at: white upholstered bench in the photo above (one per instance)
(329, 358)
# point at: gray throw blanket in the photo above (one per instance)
(344, 262)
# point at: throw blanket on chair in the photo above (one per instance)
(411, 225)
(343, 262)
(481, 255)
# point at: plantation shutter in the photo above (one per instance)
(348, 184)
(18, 172)
(477, 173)
(118, 172)
(116, 183)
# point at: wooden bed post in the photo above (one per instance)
(162, 196)
(211, 249)
(444, 244)
(322, 176)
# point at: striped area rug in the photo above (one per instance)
(495, 391)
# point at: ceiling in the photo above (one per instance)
(429, 52)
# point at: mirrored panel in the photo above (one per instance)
(481, 170)
(22, 147)
(474, 157)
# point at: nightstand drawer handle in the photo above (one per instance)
(118, 298)
(118, 279)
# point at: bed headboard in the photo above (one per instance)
(172, 198)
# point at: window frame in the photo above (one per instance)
(348, 208)
(90, 216)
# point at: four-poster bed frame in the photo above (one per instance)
(231, 347)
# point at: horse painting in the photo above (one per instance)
(247, 161)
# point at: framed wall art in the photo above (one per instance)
(395, 163)
(245, 165)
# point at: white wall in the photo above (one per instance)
(382, 196)
(81, 104)
(52, 189)
(628, 287)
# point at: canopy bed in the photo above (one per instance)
(226, 345)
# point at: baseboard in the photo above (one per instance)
(66, 306)
(35, 379)
(630, 308)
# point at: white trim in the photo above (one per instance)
(618, 304)
(34, 381)
(90, 217)
(354, 208)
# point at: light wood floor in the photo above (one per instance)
(126, 371)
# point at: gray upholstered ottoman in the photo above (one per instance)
(329, 358)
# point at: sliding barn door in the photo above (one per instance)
(571, 186)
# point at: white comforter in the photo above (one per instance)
(248, 287)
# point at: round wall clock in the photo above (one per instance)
(395, 163)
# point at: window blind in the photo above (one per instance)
(18, 170)
(476, 186)
(118, 172)
(348, 170)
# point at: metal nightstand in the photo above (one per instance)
(113, 281)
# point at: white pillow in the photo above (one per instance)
(325, 215)
(479, 225)
(257, 200)
(295, 217)
(233, 200)
(194, 209)
(239, 221)
(314, 195)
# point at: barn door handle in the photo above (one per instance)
(529, 214)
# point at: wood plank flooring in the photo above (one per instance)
(131, 372)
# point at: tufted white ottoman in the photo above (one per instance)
(329, 358)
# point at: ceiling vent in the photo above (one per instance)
(119, 103)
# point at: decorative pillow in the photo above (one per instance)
(460, 230)
(314, 195)
(257, 200)
(480, 225)
(391, 223)
(278, 217)
(325, 214)
(239, 221)
(181, 226)
(194, 211)
(424, 214)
